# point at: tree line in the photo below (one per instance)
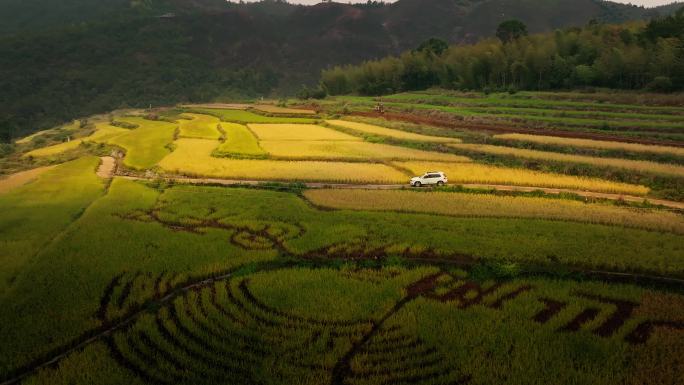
(637, 55)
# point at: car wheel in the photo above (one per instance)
(440, 183)
(417, 184)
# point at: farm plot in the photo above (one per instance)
(146, 145)
(596, 144)
(33, 214)
(480, 173)
(626, 164)
(239, 142)
(320, 149)
(199, 126)
(372, 326)
(244, 117)
(193, 157)
(370, 129)
(21, 178)
(103, 133)
(271, 109)
(298, 132)
(487, 205)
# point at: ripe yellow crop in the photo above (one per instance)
(298, 132)
(590, 143)
(199, 126)
(193, 157)
(239, 141)
(635, 165)
(389, 132)
(487, 205)
(21, 178)
(313, 149)
(103, 133)
(479, 173)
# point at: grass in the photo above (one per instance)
(193, 157)
(485, 174)
(595, 144)
(239, 142)
(13, 181)
(389, 132)
(487, 205)
(34, 214)
(319, 149)
(244, 117)
(146, 145)
(298, 132)
(199, 126)
(627, 164)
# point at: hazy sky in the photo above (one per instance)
(648, 3)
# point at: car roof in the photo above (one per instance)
(435, 172)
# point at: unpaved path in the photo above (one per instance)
(21, 178)
(586, 194)
(107, 167)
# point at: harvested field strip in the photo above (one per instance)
(596, 115)
(479, 173)
(634, 165)
(597, 144)
(239, 141)
(192, 157)
(389, 132)
(298, 132)
(271, 109)
(199, 126)
(244, 117)
(486, 205)
(351, 150)
(13, 181)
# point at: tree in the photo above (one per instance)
(511, 30)
(434, 45)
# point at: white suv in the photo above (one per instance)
(433, 177)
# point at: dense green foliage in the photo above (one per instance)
(632, 56)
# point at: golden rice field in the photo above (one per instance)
(389, 132)
(199, 126)
(596, 144)
(487, 205)
(103, 133)
(318, 149)
(634, 165)
(271, 109)
(480, 173)
(298, 132)
(192, 157)
(21, 178)
(239, 141)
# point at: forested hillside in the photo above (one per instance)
(629, 56)
(62, 60)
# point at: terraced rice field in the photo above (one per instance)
(239, 141)
(596, 144)
(389, 132)
(199, 126)
(244, 117)
(192, 157)
(271, 109)
(13, 181)
(322, 149)
(146, 145)
(633, 165)
(298, 132)
(485, 174)
(488, 205)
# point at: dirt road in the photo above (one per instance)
(587, 194)
(107, 167)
